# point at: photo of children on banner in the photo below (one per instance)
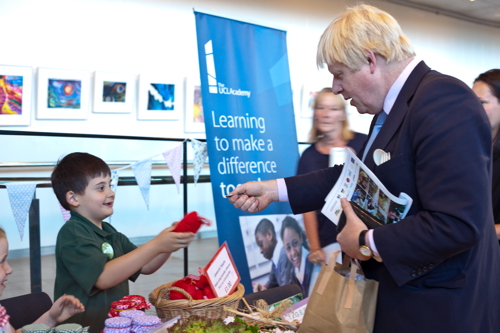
(283, 248)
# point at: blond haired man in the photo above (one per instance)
(438, 267)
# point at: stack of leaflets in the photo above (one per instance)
(359, 185)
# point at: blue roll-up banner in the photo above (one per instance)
(250, 128)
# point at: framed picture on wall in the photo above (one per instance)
(194, 121)
(114, 92)
(160, 97)
(63, 94)
(15, 95)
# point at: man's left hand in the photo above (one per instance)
(348, 238)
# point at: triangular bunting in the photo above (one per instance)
(142, 173)
(173, 157)
(65, 213)
(114, 180)
(200, 156)
(20, 197)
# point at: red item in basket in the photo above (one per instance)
(191, 223)
(198, 294)
(208, 292)
(202, 282)
(174, 294)
(191, 290)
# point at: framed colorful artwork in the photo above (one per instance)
(194, 121)
(114, 92)
(63, 94)
(15, 95)
(160, 97)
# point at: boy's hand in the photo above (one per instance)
(172, 241)
(65, 307)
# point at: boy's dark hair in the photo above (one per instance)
(74, 172)
(264, 226)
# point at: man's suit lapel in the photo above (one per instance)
(398, 112)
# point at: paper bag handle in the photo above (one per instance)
(328, 272)
(350, 286)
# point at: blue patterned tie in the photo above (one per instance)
(378, 125)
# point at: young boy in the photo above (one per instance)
(94, 260)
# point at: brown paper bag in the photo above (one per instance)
(340, 304)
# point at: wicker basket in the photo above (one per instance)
(167, 309)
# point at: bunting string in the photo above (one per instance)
(21, 194)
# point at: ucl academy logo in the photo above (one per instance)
(215, 87)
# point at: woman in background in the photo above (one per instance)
(487, 88)
(330, 129)
(305, 273)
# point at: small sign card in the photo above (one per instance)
(296, 312)
(221, 272)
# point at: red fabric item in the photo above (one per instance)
(176, 294)
(196, 286)
(180, 284)
(129, 302)
(198, 294)
(143, 306)
(139, 302)
(191, 290)
(202, 282)
(191, 223)
(208, 292)
(120, 305)
(4, 317)
(136, 299)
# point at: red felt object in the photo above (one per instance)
(191, 223)
(198, 294)
(179, 283)
(176, 294)
(202, 282)
(191, 290)
(191, 279)
(208, 292)
(196, 286)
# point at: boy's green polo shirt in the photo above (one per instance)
(80, 261)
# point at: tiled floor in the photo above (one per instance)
(200, 252)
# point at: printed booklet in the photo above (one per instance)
(359, 185)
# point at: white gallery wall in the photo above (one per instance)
(159, 37)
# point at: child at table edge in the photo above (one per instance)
(93, 260)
